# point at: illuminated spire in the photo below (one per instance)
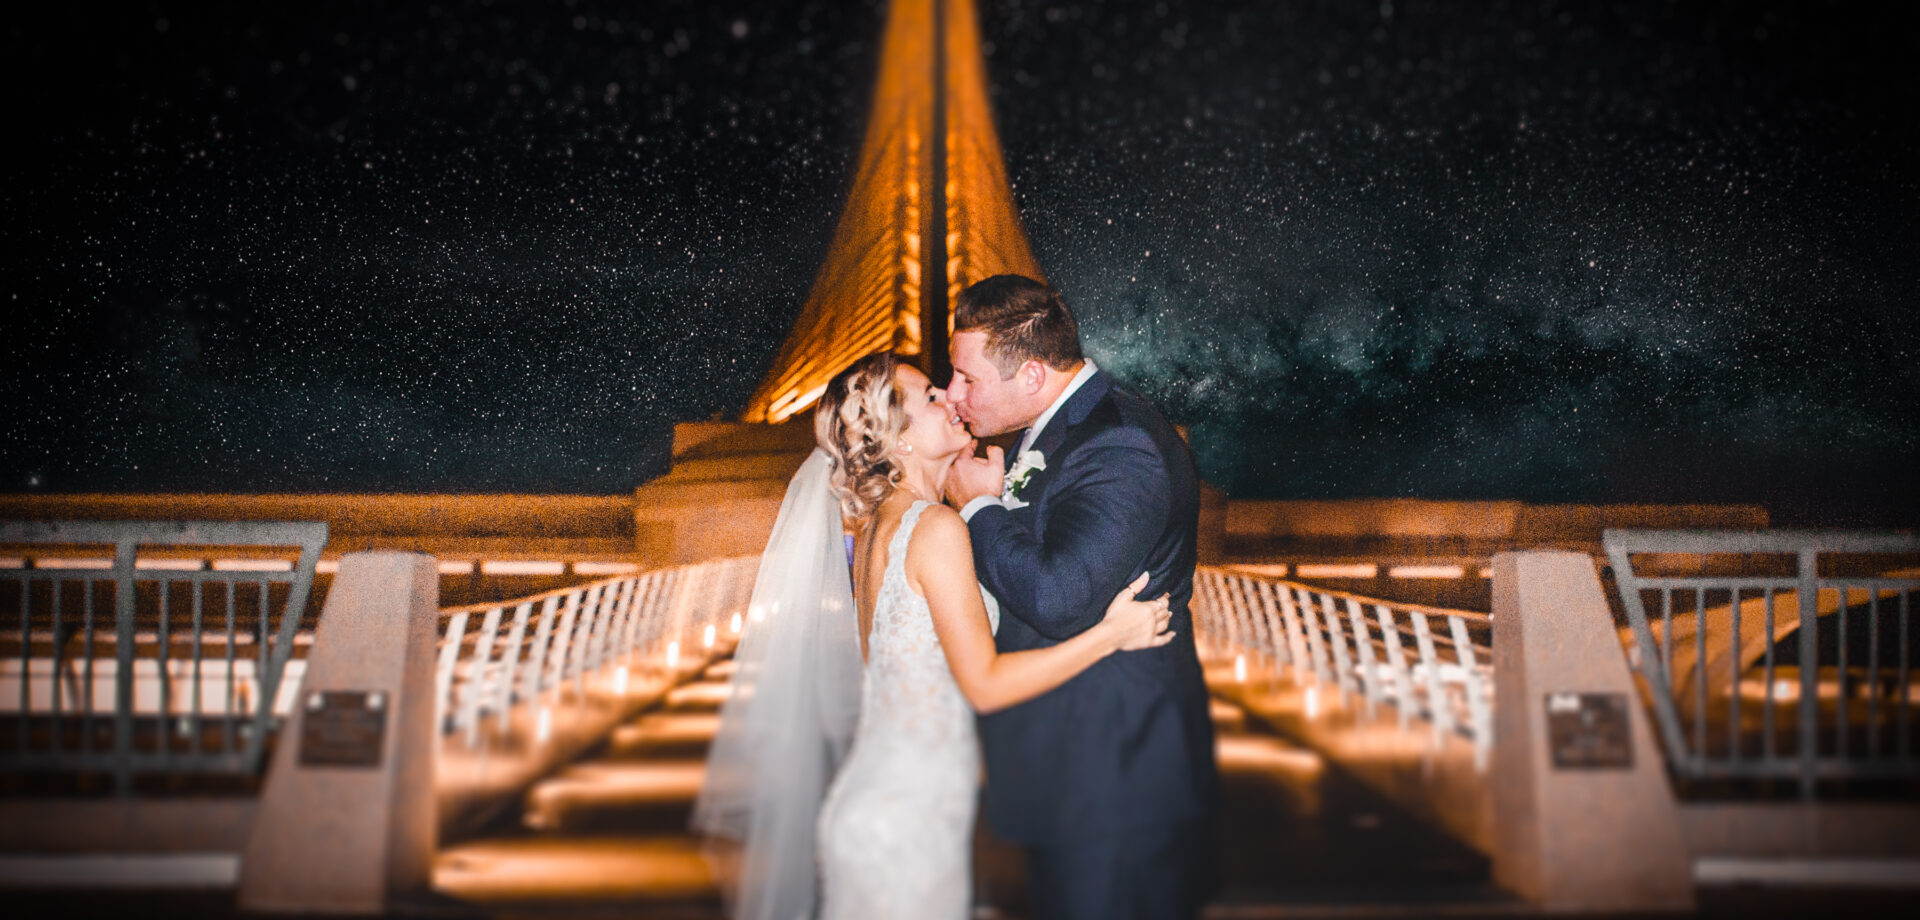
(923, 220)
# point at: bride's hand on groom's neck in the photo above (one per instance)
(972, 477)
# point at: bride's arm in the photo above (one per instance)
(940, 567)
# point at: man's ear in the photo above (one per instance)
(1033, 376)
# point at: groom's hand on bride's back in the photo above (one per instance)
(972, 477)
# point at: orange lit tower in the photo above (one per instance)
(929, 213)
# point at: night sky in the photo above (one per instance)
(1540, 250)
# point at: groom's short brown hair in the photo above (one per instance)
(1024, 321)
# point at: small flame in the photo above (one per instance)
(735, 623)
(1313, 702)
(673, 654)
(620, 681)
(707, 636)
(543, 726)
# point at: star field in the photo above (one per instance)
(1552, 251)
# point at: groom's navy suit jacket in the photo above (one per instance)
(1128, 743)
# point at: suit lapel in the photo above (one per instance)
(1076, 410)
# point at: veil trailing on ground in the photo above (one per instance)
(791, 715)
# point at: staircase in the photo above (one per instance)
(607, 836)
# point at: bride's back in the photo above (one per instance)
(895, 826)
(870, 559)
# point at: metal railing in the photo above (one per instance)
(1780, 656)
(1429, 664)
(118, 657)
(496, 657)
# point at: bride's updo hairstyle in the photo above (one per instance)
(860, 417)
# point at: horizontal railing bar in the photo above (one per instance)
(1703, 542)
(1793, 768)
(64, 761)
(1399, 606)
(167, 533)
(154, 576)
(1733, 583)
(39, 636)
(447, 613)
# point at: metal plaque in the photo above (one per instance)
(1588, 731)
(343, 728)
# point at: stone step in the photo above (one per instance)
(663, 736)
(698, 695)
(600, 796)
(1226, 716)
(577, 871)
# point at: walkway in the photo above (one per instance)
(607, 836)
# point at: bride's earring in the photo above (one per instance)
(906, 448)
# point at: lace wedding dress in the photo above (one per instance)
(896, 829)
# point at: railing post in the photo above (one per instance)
(1403, 701)
(1439, 707)
(123, 666)
(479, 686)
(1809, 648)
(1574, 834)
(333, 833)
(1363, 653)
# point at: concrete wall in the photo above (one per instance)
(1394, 532)
(1361, 518)
(725, 487)
(468, 529)
(513, 517)
(723, 493)
(1510, 523)
(728, 479)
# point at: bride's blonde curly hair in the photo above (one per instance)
(860, 417)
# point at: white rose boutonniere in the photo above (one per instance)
(1024, 466)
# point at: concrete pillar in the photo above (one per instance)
(1211, 543)
(329, 837)
(1573, 837)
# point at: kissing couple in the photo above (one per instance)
(1003, 622)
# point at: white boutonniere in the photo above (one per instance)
(1028, 463)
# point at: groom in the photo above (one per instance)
(1109, 780)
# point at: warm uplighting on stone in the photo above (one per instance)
(882, 285)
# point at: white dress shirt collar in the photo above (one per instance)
(1087, 370)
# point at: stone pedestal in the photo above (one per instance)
(1574, 837)
(331, 836)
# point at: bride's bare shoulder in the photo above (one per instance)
(939, 553)
(939, 530)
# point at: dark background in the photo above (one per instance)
(1554, 251)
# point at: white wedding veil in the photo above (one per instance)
(788, 722)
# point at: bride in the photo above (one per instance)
(874, 673)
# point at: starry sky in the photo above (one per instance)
(1546, 250)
